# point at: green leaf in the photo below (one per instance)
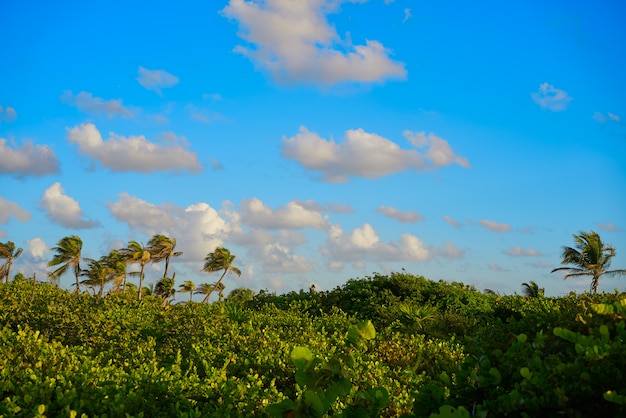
(301, 357)
(363, 330)
(525, 372)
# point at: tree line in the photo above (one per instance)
(590, 257)
(112, 268)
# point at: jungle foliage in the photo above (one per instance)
(387, 345)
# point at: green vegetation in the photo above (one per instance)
(387, 345)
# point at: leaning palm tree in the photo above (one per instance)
(162, 249)
(8, 253)
(220, 259)
(97, 274)
(205, 289)
(187, 287)
(590, 257)
(532, 290)
(115, 264)
(137, 253)
(220, 287)
(67, 255)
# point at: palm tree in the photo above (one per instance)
(137, 253)
(532, 290)
(220, 287)
(165, 289)
(187, 287)
(8, 253)
(205, 289)
(240, 295)
(220, 259)
(116, 267)
(97, 273)
(591, 257)
(162, 248)
(67, 255)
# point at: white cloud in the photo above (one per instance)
(134, 153)
(366, 154)
(37, 249)
(204, 115)
(198, 228)
(452, 222)
(85, 102)
(450, 251)
(496, 267)
(255, 213)
(63, 209)
(10, 209)
(27, 160)
(523, 252)
(400, 216)
(295, 43)
(551, 98)
(609, 117)
(608, 226)
(155, 80)
(407, 15)
(495, 226)
(7, 114)
(364, 244)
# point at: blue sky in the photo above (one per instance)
(318, 140)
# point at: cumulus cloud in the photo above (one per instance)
(63, 209)
(294, 42)
(7, 114)
(450, 251)
(495, 226)
(294, 214)
(406, 217)
(550, 98)
(37, 249)
(523, 252)
(27, 160)
(366, 154)
(364, 244)
(10, 209)
(198, 228)
(134, 153)
(155, 80)
(85, 102)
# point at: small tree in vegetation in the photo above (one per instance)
(532, 290)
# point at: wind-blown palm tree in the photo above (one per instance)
(116, 266)
(187, 287)
(162, 249)
(591, 257)
(96, 274)
(67, 255)
(532, 290)
(165, 289)
(137, 253)
(10, 254)
(240, 295)
(220, 259)
(205, 289)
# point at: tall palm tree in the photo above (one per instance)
(67, 255)
(187, 287)
(162, 249)
(137, 253)
(220, 259)
(10, 254)
(532, 290)
(165, 289)
(590, 257)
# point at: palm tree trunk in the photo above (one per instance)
(76, 271)
(141, 281)
(167, 265)
(8, 271)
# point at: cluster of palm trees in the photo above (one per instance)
(112, 268)
(589, 257)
